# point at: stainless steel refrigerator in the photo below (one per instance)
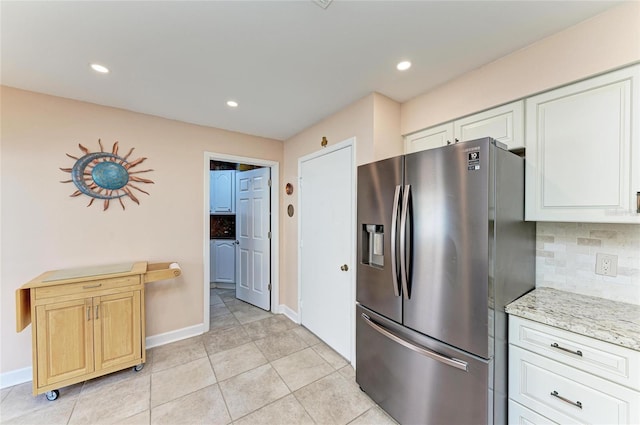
(442, 248)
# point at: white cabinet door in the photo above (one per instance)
(224, 261)
(434, 137)
(222, 191)
(504, 123)
(583, 151)
(212, 191)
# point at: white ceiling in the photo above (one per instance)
(288, 63)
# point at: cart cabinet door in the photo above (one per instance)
(117, 329)
(64, 334)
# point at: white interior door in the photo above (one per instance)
(326, 247)
(252, 232)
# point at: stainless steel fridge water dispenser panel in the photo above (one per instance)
(373, 245)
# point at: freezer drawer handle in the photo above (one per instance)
(577, 352)
(458, 364)
(394, 254)
(566, 400)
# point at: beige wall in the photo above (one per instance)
(375, 123)
(356, 120)
(387, 140)
(42, 228)
(607, 41)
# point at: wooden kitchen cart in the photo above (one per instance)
(86, 322)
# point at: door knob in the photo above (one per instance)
(344, 267)
(237, 242)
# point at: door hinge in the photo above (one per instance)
(269, 235)
(269, 182)
(269, 287)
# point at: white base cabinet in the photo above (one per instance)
(212, 261)
(520, 415)
(224, 261)
(556, 376)
(583, 151)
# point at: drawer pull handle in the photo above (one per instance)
(97, 310)
(577, 352)
(92, 286)
(88, 313)
(566, 400)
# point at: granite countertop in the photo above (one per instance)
(610, 321)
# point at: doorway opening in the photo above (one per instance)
(241, 248)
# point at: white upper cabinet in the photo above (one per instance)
(583, 151)
(430, 138)
(222, 192)
(504, 123)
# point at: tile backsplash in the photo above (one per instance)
(566, 259)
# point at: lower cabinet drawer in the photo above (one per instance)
(567, 395)
(88, 287)
(608, 361)
(520, 415)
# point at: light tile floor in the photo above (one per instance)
(252, 367)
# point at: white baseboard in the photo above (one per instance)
(20, 376)
(293, 315)
(15, 377)
(173, 336)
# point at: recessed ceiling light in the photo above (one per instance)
(403, 66)
(99, 68)
(232, 103)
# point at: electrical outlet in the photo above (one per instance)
(607, 264)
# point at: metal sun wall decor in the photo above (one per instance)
(105, 175)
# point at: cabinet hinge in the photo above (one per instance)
(269, 182)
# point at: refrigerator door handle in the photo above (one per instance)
(449, 361)
(404, 266)
(394, 254)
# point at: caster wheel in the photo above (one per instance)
(138, 367)
(52, 395)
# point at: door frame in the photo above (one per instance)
(274, 220)
(350, 142)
